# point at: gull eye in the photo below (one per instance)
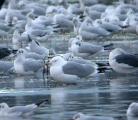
(2, 106)
(78, 43)
(76, 117)
(20, 51)
(55, 60)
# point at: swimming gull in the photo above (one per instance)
(24, 111)
(81, 116)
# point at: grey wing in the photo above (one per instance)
(128, 59)
(5, 66)
(17, 109)
(73, 68)
(111, 27)
(88, 35)
(34, 56)
(64, 22)
(38, 32)
(98, 30)
(33, 65)
(85, 48)
(95, 14)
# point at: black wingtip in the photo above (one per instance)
(29, 38)
(1, 3)
(47, 101)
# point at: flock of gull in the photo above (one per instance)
(27, 22)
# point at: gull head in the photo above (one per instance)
(58, 60)
(132, 109)
(3, 106)
(116, 52)
(79, 116)
(20, 51)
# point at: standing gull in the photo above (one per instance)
(85, 49)
(123, 62)
(32, 55)
(69, 71)
(24, 65)
(34, 46)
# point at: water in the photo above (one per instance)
(105, 94)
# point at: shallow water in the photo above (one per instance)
(105, 94)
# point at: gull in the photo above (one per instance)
(17, 111)
(3, 12)
(11, 12)
(77, 24)
(24, 65)
(62, 23)
(133, 110)
(85, 49)
(16, 41)
(29, 54)
(122, 61)
(87, 3)
(52, 10)
(81, 116)
(74, 9)
(34, 46)
(43, 20)
(69, 71)
(104, 23)
(88, 31)
(98, 7)
(93, 14)
(63, 3)
(38, 9)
